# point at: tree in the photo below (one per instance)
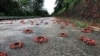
(64, 5)
(21, 7)
(9, 7)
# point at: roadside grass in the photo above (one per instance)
(79, 23)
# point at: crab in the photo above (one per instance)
(3, 54)
(40, 39)
(62, 34)
(16, 45)
(27, 31)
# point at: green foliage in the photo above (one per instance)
(64, 5)
(73, 3)
(23, 2)
(61, 11)
(80, 24)
(22, 8)
(9, 7)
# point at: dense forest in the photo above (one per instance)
(84, 8)
(87, 10)
(69, 8)
(22, 8)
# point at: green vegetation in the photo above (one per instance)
(63, 5)
(79, 23)
(61, 11)
(88, 10)
(22, 8)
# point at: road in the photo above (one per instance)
(56, 46)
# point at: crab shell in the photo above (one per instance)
(27, 31)
(83, 38)
(3, 54)
(22, 21)
(16, 45)
(87, 29)
(91, 42)
(62, 34)
(40, 39)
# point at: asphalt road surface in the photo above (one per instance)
(56, 46)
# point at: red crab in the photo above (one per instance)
(91, 42)
(16, 45)
(22, 21)
(3, 54)
(83, 37)
(32, 22)
(87, 29)
(40, 39)
(27, 31)
(62, 34)
(93, 24)
(87, 40)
